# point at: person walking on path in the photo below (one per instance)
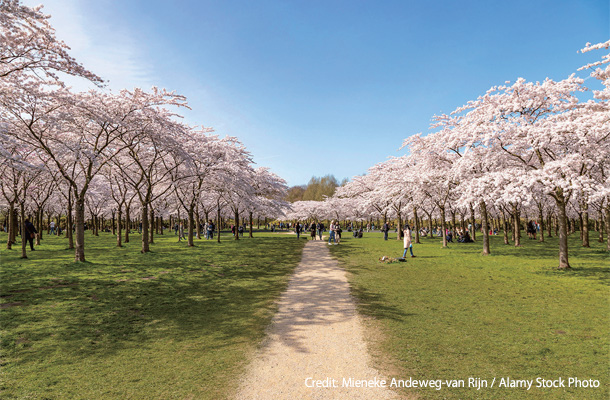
(312, 230)
(408, 245)
(320, 228)
(297, 229)
(331, 232)
(30, 233)
(52, 228)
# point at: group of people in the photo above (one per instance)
(314, 229)
(334, 232)
(207, 228)
(463, 236)
(239, 229)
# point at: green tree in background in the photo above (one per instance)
(316, 189)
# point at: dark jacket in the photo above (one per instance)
(29, 228)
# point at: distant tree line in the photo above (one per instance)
(316, 189)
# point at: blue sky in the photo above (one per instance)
(326, 87)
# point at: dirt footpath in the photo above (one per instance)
(315, 337)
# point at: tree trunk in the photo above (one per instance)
(443, 226)
(118, 228)
(197, 224)
(607, 224)
(453, 220)
(585, 225)
(70, 227)
(144, 215)
(516, 226)
(24, 254)
(191, 224)
(563, 229)
(416, 225)
(114, 225)
(251, 223)
(399, 227)
(127, 223)
(161, 224)
(430, 226)
(38, 226)
(484, 221)
(236, 224)
(151, 227)
(218, 224)
(15, 228)
(600, 231)
(473, 229)
(504, 227)
(10, 225)
(541, 218)
(79, 251)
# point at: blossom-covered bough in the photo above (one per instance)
(506, 153)
(90, 147)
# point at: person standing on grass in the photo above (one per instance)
(30, 233)
(408, 245)
(297, 229)
(52, 228)
(210, 232)
(338, 231)
(385, 228)
(312, 230)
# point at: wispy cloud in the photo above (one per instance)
(107, 48)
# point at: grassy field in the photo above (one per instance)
(453, 314)
(177, 323)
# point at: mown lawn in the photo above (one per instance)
(177, 323)
(454, 314)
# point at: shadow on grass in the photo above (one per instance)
(375, 305)
(596, 273)
(217, 295)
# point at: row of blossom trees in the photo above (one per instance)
(520, 149)
(100, 153)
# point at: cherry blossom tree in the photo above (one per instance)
(29, 44)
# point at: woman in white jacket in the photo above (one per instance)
(407, 241)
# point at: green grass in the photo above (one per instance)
(178, 322)
(454, 314)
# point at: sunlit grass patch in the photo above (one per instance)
(178, 322)
(453, 313)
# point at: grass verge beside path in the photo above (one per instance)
(178, 322)
(455, 314)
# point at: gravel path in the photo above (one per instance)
(315, 334)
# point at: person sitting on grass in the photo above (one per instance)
(465, 238)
